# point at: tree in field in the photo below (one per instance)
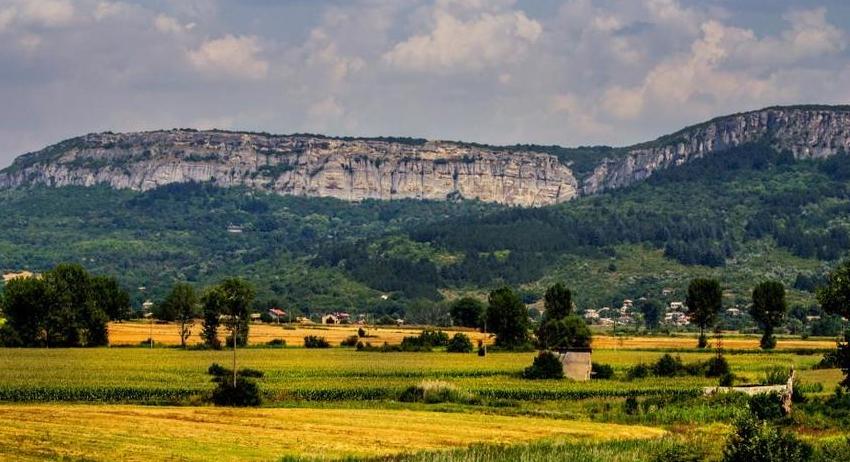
(507, 317)
(768, 310)
(704, 300)
(467, 312)
(213, 305)
(559, 328)
(113, 300)
(238, 295)
(652, 312)
(558, 302)
(62, 307)
(183, 302)
(835, 299)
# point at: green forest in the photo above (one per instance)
(741, 216)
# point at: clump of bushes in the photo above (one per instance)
(766, 406)
(361, 332)
(313, 341)
(776, 376)
(631, 406)
(244, 392)
(350, 341)
(672, 366)
(545, 366)
(432, 392)
(755, 440)
(277, 342)
(460, 343)
(601, 371)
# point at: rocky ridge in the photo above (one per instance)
(357, 169)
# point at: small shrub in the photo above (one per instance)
(601, 371)
(717, 367)
(766, 406)
(481, 350)
(829, 360)
(631, 406)
(460, 343)
(727, 379)
(245, 393)
(545, 366)
(277, 342)
(350, 341)
(313, 341)
(432, 392)
(435, 338)
(217, 370)
(758, 441)
(667, 366)
(361, 332)
(251, 373)
(361, 346)
(776, 376)
(638, 371)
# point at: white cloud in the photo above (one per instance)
(230, 57)
(106, 10)
(7, 15)
(47, 12)
(167, 24)
(457, 44)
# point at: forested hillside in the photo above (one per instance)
(743, 215)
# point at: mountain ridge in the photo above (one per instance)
(387, 168)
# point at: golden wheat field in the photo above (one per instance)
(133, 333)
(138, 433)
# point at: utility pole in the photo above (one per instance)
(235, 334)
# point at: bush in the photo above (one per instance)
(829, 360)
(435, 338)
(717, 367)
(361, 332)
(631, 406)
(312, 341)
(638, 371)
(350, 341)
(218, 371)
(432, 392)
(766, 406)
(277, 342)
(545, 366)
(667, 366)
(758, 441)
(776, 376)
(245, 393)
(601, 371)
(460, 343)
(481, 350)
(727, 380)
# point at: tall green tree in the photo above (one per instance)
(507, 317)
(112, 299)
(238, 296)
(467, 312)
(558, 302)
(652, 312)
(835, 299)
(183, 302)
(213, 302)
(768, 309)
(704, 300)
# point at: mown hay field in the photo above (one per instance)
(134, 333)
(120, 432)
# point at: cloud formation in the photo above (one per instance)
(569, 72)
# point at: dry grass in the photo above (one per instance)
(49, 432)
(132, 333)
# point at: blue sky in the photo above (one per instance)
(571, 72)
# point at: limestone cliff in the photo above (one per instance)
(806, 131)
(349, 169)
(384, 168)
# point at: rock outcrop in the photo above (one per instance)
(806, 131)
(384, 168)
(348, 169)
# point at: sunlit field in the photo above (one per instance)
(112, 432)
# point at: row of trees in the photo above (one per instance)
(227, 304)
(63, 307)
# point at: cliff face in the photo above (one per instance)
(356, 169)
(299, 165)
(808, 132)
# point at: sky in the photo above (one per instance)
(568, 72)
